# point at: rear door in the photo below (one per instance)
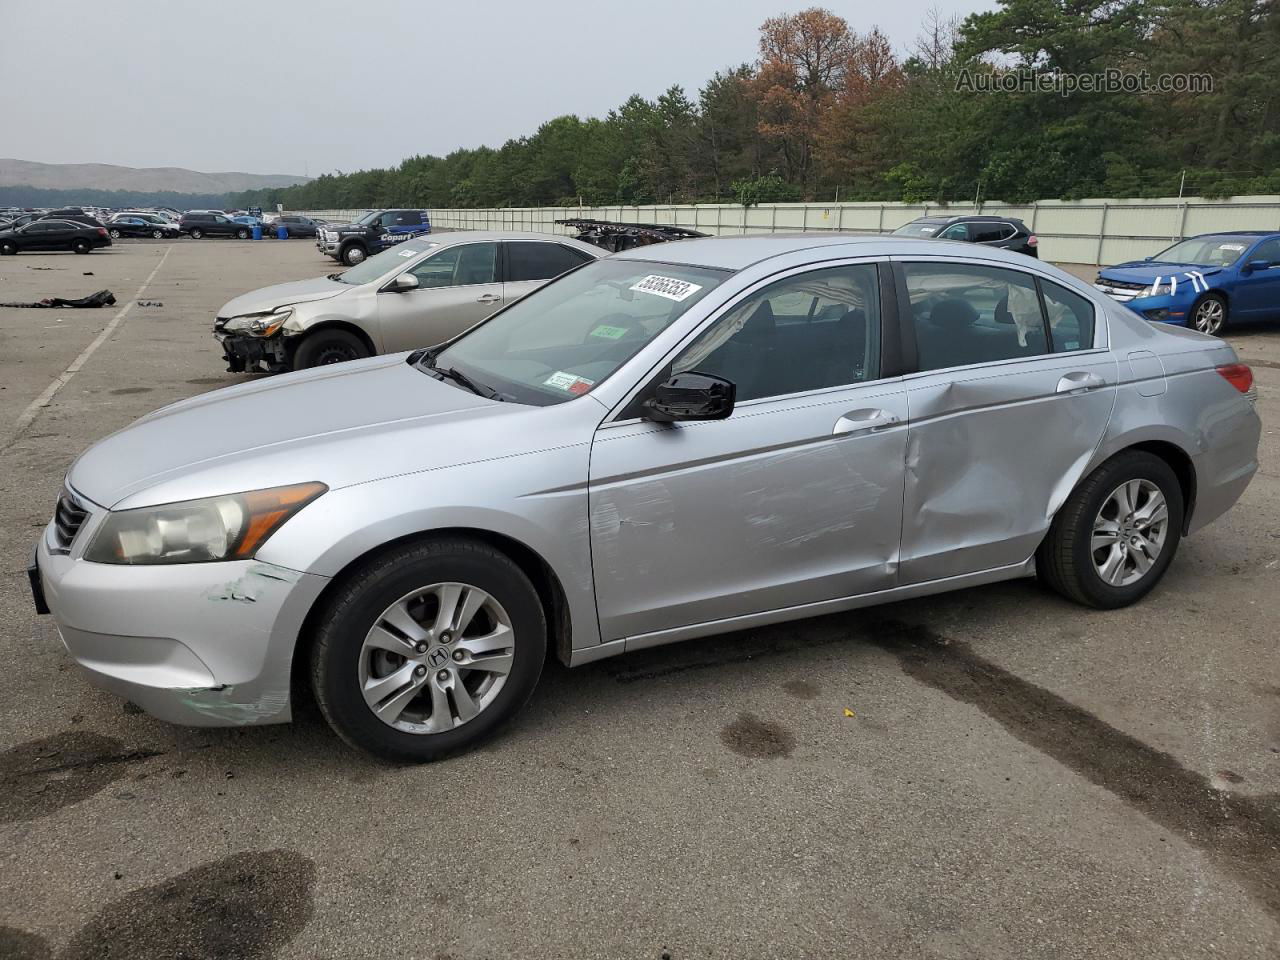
(1013, 392)
(457, 287)
(795, 499)
(531, 263)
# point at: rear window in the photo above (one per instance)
(919, 228)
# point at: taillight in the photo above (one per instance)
(102, 231)
(1238, 375)
(1032, 240)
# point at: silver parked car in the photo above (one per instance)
(418, 293)
(671, 442)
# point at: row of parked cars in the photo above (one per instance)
(586, 452)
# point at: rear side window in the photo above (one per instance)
(528, 260)
(1071, 318)
(965, 314)
(989, 232)
(408, 218)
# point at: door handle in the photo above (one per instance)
(865, 420)
(489, 298)
(1079, 382)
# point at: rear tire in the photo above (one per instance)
(1103, 549)
(8, 248)
(1209, 315)
(328, 346)
(157, 234)
(81, 246)
(453, 707)
(114, 234)
(353, 254)
(196, 234)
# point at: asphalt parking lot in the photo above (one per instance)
(991, 773)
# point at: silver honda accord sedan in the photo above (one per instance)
(672, 442)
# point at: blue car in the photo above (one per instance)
(1202, 281)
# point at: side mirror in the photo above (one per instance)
(403, 283)
(1147, 259)
(1253, 265)
(691, 396)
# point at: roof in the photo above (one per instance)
(739, 252)
(1233, 233)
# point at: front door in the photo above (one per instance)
(1011, 401)
(794, 499)
(457, 288)
(1257, 293)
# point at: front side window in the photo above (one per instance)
(539, 260)
(957, 231)
(1070, 318)
(965, 314)
(1268, 250)
(567, 337)
(811, 331)
(459, 266)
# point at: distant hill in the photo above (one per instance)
(105, 176)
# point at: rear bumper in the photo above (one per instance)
(202, 644)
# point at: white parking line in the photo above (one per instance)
(39, 403)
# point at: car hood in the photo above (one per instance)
(282, 295)
(1145, 271)
(342, 424)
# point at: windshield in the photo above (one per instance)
(1210, 251)
(368, 218)
(384, 262)
(567, 337)
(918, 228)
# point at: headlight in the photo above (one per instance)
(269, 325)
(1162, 286)
(198, 531)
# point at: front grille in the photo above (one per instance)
(67, 520)
(1119, 290)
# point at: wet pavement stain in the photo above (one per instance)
(42, 776)
(243, 907)
(758, 739)
(801, 689)
(124, 391)
(209, 381)
(246, 906)
(20, 945)
(1240, 834)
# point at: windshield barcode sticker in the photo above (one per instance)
(668, 287)
(569, 382)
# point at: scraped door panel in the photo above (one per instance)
(789, 501)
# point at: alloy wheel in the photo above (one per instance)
(1210, 315)
(436, 658)
(1129, 532)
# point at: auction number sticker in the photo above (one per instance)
(569, 382)
(608, 332)
(668, 287)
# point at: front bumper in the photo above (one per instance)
(244, 353)
(201, 644)
(1163, 309)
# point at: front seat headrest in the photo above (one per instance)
(953, 314)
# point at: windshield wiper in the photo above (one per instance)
(427, 361)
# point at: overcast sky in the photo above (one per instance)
(309, 86)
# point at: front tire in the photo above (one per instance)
(1209, 315)
(328, 346)
(353, 254)
(8, 248)
(157, 234)
(114, 234)
(428, 649)
(242, 234)
(81, 246)
(1116, 535)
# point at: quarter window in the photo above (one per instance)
(539, 260)
(459, 266)
(966, 314)
(1070, 318)
(808, 332)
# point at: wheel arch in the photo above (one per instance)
(555, 604)
(354, 329)
(1183, 468)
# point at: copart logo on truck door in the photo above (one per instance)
(389, 238)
